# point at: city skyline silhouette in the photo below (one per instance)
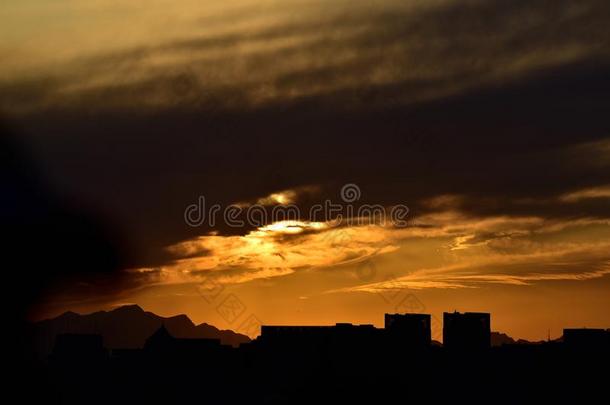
(315, 356)
(319, 201)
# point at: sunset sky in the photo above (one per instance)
(487, 119)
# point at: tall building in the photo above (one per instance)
(410, 330)
(586, 338)
(467, 331)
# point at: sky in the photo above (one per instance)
(485, 120)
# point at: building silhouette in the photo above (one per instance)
(341, 363)
(331, 337)
(585, 338)
(408, 329)
(466, 331)
(162, 344)
(295, 334)
(160, 340)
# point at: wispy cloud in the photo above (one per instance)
(501, 250)
(422, 49)
(585, 194)
(274, 250)
(516, 270)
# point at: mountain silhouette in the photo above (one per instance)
(500, 339)
(126, 327)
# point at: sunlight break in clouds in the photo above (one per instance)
(284, 197)
(476, 251)
(273, 250)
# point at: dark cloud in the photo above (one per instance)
(49, 240)
(503, 103)
(411, 52)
